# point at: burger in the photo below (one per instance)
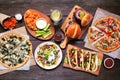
(73, 30)
(82, 17)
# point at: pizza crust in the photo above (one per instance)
(108, 50)
(17, 66)
(11, 34)
(96, 22)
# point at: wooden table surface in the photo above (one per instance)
(11, 7)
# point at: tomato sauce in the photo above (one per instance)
(109, 63)
(58, 37)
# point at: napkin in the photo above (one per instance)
(102, 13)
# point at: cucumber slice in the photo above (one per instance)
(46, 34)
(43, 33)
(48, 25)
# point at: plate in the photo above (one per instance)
(40, 59)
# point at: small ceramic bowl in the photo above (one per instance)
(58, 37)
(41, 23)
(18, 16)
(108, 63)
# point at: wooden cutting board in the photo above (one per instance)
(42, 15)
(70, 17)
(100, 57)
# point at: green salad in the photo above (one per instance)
(48, 54)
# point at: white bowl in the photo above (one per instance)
(41, 23)
(108, 63)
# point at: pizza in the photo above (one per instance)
(106, 37)
(107, 44)
(81, 59)
(15, 50)
(94, 34)
(108, 25)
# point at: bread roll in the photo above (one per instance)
(73, 30)
(86, 19)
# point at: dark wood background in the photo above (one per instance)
(11, 7)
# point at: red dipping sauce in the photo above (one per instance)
(108, 63)
(58, 37)
(9, 23)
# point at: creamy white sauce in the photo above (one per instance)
(51, 56)
(18, 16)
(41, 23)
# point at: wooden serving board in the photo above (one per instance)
(70, 17)
(42, 15)
(100, 57)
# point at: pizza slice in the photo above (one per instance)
(14, 60)
(116, 35)
(94, 34)
(103, 25)
(11, 41)
(3, 51)
(9, 61)
(107, 44)
(8, 42)
(24, 48)
(113, 23)
(86, 60)
(108, 24)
